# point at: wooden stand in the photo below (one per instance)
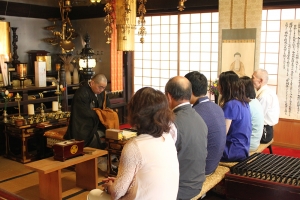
(50, 173)
(114, 147)
(21, 136)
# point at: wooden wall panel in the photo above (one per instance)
(287, 133)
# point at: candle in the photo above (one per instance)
(57, 67)
(30, 109)
(54, 106)
(22, 70)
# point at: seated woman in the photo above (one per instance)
(148, 166)
(237, 117)
(257, 115)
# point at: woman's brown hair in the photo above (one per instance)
(149, 112)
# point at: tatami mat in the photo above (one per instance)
(17, 179)
(10, 168)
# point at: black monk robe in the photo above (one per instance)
(84, 122)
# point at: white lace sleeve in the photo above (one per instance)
(173, 132)
(130, 163)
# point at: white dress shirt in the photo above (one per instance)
(270, 104)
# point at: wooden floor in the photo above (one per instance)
(16, 178)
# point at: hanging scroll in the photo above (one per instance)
(288, 71)
(238, 51)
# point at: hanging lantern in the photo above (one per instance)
(125, 20)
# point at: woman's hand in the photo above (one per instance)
(107, 183)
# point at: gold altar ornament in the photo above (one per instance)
(5, 40)
(125, 20)
(181, 6)
(142, 11)
(108, 20)
(18, 98)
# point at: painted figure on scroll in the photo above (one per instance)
(237, 66)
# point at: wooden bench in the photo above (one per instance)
(262, 147)
(49, 171)
(212, 180)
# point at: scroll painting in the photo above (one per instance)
(238, 51)
(289, 70)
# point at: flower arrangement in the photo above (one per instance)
(213, 87)
(6, 95)
(62, 89)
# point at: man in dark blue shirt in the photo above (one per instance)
(213, 116)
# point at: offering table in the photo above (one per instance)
(49, 171)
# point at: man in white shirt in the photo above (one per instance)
(269, 102)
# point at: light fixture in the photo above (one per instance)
(125, 20)
(87, 62)
(95, 1)
(22, 73)
(181, 6)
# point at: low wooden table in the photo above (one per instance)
(49, 170)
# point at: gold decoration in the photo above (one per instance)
(125, 20)
(5, 40)
(142, 11)
(108, 20)
(181, 6)
(67, 33)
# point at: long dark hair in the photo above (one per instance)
(231, 88)
(149, 112)
(249, 87)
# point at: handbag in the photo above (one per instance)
(108, 117)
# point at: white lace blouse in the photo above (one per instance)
(148, 169)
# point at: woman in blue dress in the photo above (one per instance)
(236, 109)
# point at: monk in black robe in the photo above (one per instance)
(84, 122)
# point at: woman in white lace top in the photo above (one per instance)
(148, 166)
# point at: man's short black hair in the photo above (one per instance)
(199, 83)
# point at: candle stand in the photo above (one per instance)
(58, 93)
(18, 98)
(5, 120)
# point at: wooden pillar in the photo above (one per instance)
(240, 14)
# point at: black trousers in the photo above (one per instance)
(96, 142)
(267, 135)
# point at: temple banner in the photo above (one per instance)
(288, 70)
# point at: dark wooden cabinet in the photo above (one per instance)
(30, 95)
(35, 95)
